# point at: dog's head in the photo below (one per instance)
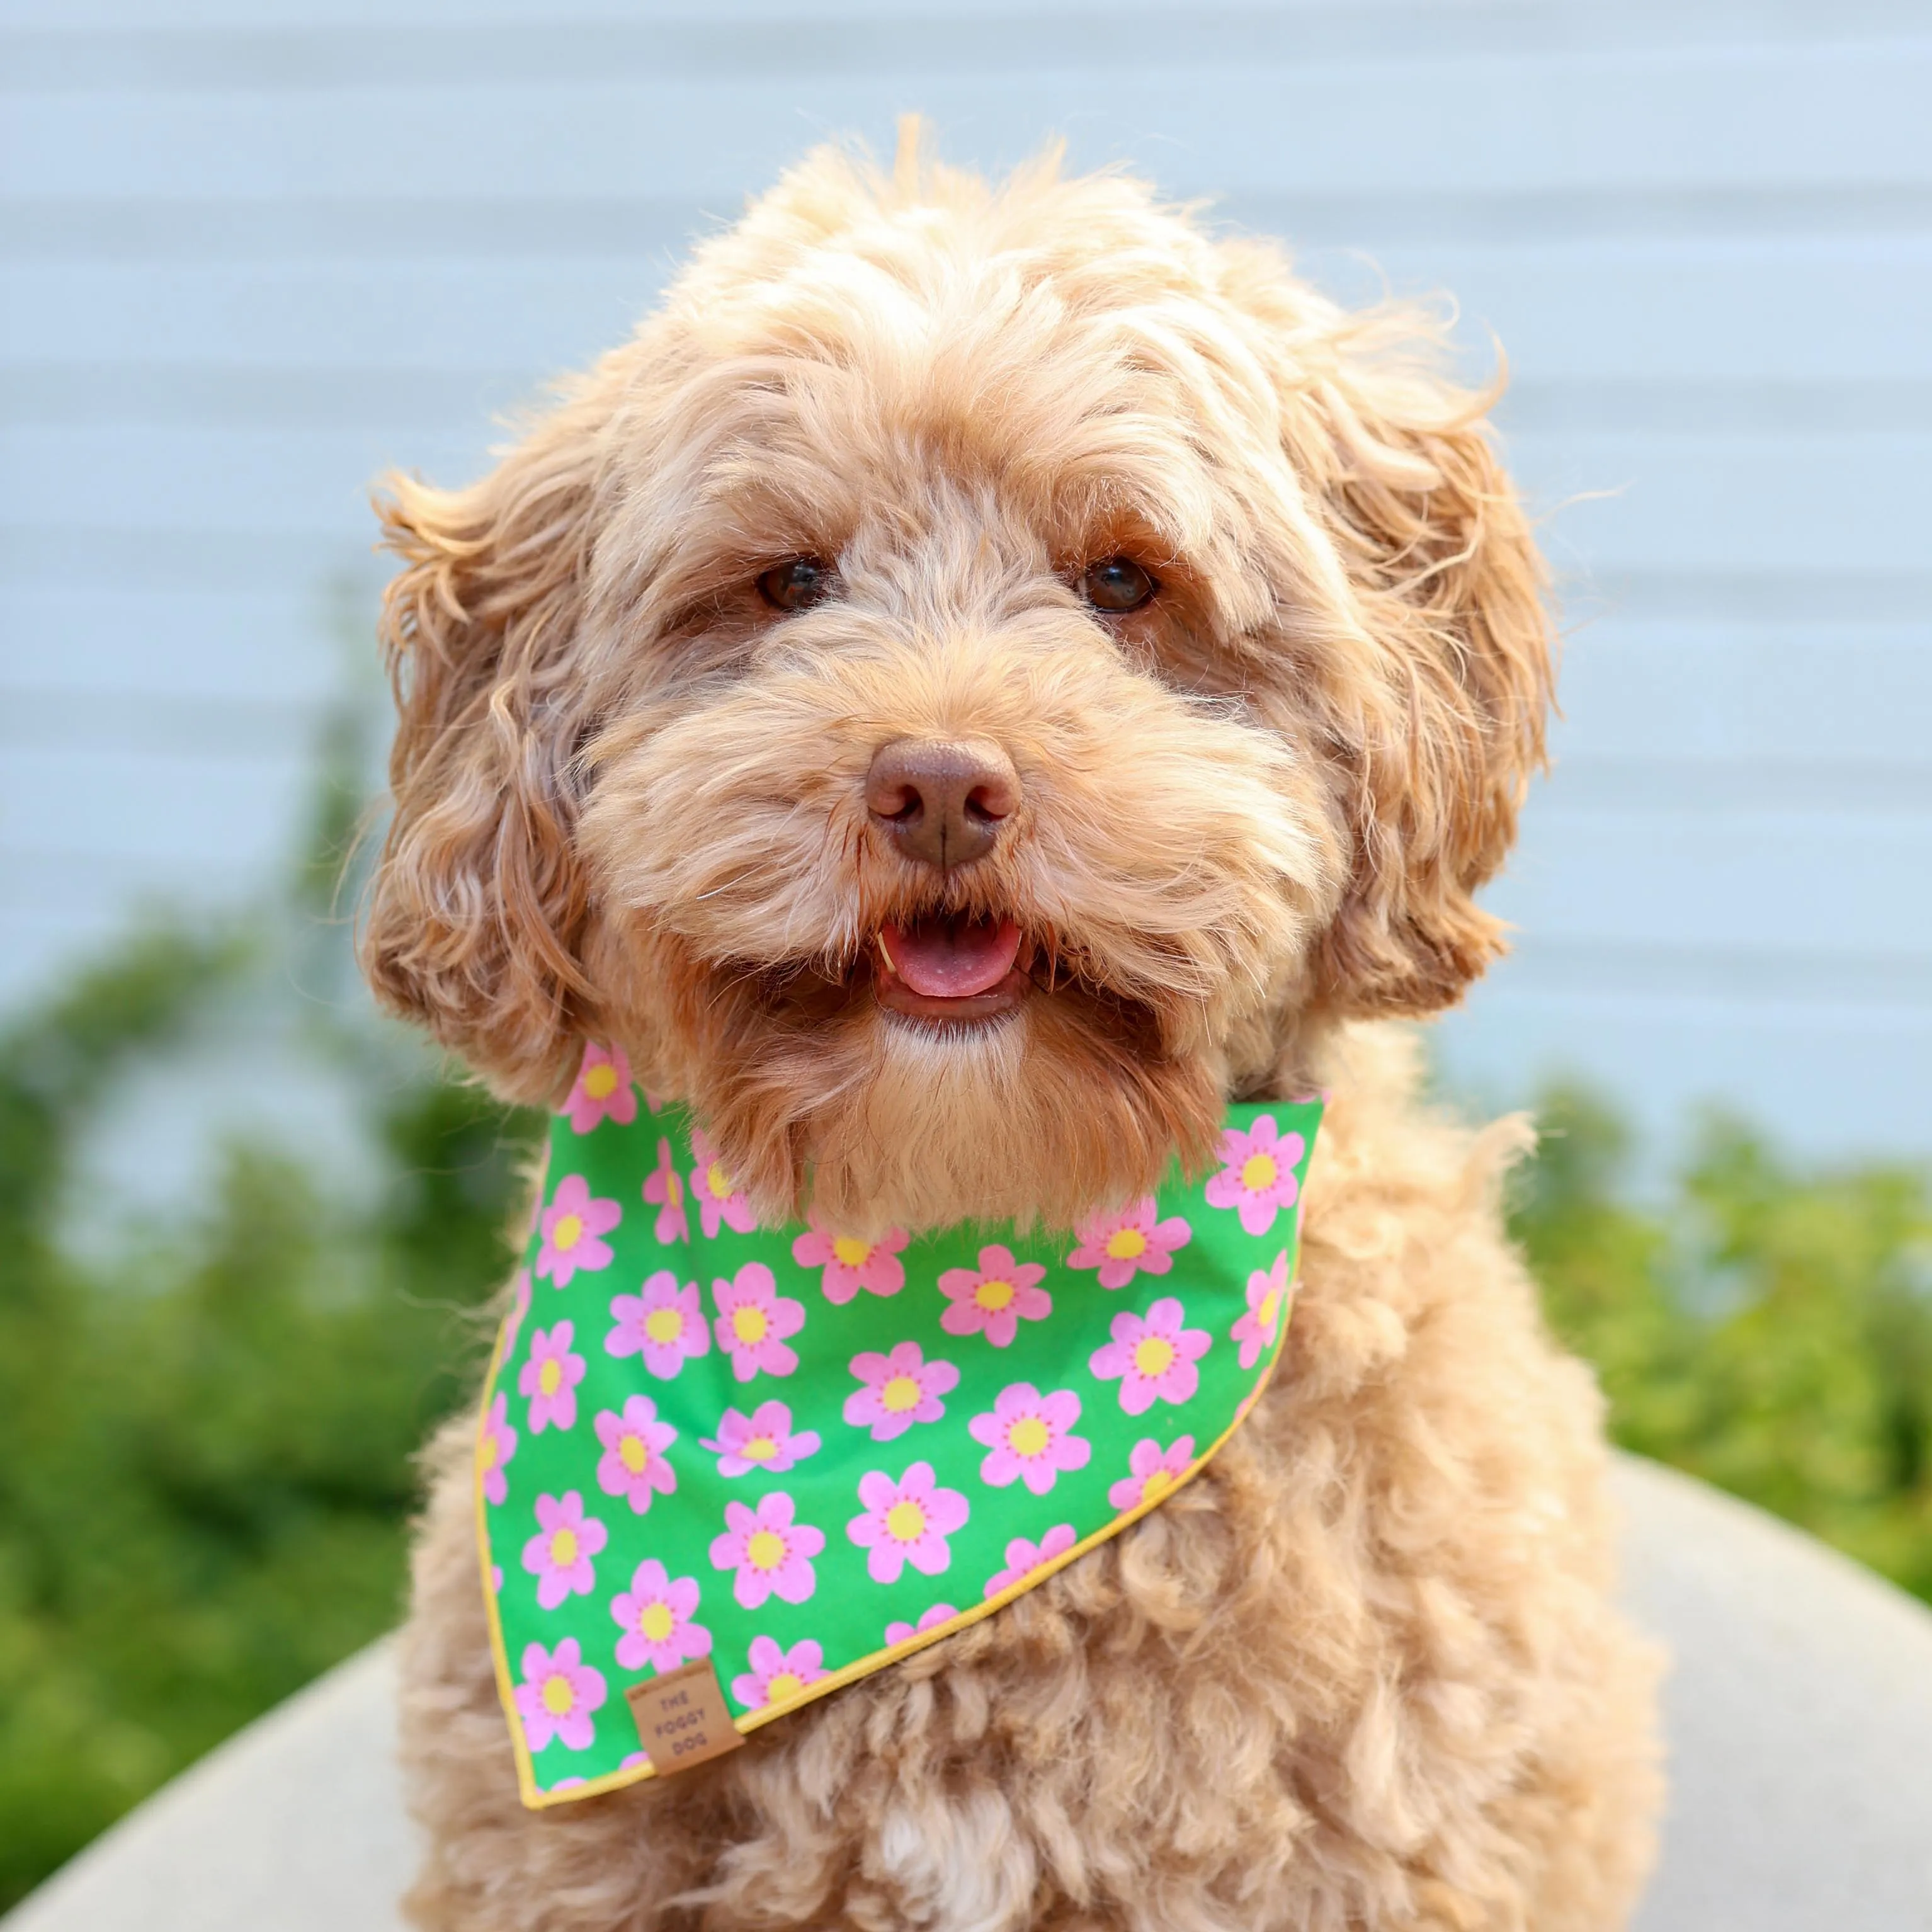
(982, 676)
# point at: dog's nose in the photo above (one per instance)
(942, 803)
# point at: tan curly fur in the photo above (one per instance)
(1362, 1673)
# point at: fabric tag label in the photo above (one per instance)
(682, 1718)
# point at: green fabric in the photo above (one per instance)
(802, 1457)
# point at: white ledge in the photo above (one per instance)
(1799, 1712)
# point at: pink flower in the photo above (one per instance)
(603, 1091)
(851, 1263)
(496, 1443)
(906, 1522)
(572, 1224)
(940, 1613)
(1268, 1292)
(777, 1676)
(753, 1321)
(996, 1299)
(558, 1555)
(763, 1440)
(900, 1389)
(1154, 1470)
(662, 1186)
(1128, 1242)
(1029, 1435)
(665, 1324)
(559, 1692)
(1154, 1358)
(520, 1306)
(717, 1194)
(633, 1464)
(771, 1552)
(1023, 1557)
(1259, 1176)
(654, 1614)
(549, 1377)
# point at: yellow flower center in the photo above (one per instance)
(766, 1550)
(718, 1182)
(905, 1522)
(749, 1324)
(633, 1452)
(558, 1696)
(550, 1377)
(568, 1232)
(1264, 1315)
(601, 1082)
(898, 1395)
(486, 1451)
(759, 1449)
(673, 1188)
(1028, 1436)
(852, 1252)
(1127, 1244)
(786, 1685)
(1158, 1484)
(663, 1326)
(563, 1548)
(993, 1295)
(1152, 1355)
(656, 1622)
(1258, 1173)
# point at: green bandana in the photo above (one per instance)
(803, 1456)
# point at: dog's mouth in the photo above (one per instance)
(954, 968)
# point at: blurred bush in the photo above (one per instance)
(206, 1441)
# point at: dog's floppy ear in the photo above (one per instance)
(1439, 725)
(475, 910)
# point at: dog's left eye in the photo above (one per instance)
(1117, 586)
(796, 584)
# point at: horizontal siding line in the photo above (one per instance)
(169, 724)
(1637, 968)
(1707, 782)
(301, 227)
(1768, 597)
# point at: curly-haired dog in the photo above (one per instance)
(1157, 649)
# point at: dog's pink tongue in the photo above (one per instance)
(952, 959)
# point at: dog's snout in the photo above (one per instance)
(941, 802)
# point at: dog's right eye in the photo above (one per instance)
(796, 584)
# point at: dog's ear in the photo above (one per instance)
(1436, 724)
(474, 911)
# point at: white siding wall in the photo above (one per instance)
(254, 253)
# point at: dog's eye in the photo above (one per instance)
(796, 584)
(1117, 586)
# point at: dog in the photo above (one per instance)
(987, 675)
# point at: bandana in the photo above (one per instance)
(790, 1457)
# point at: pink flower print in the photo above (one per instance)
(940, 1613)
(763, 1440)
(633, 1464)
(1128, 1242)
(665, 1324)
(559, 1692)
(1268, 1292)
(899, 1390)
(1029, 1436)
(777, 1676)
(654, 1614)
(520, 1306)
(549, 1377)
(771, 1552)
(906, 1522)
(754, 1320)
(849, 1263)
(1154, 1358)
(603, 1091)
(663, 1188)
(996, 1298)
(1152, 1471)
(1023, 1557)
(572, 1224)
(558, 1555)
(1258, 1177)
(496, 1443)
(717, 1194)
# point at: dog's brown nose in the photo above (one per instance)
(941, 802)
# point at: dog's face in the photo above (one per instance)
(981, 677)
